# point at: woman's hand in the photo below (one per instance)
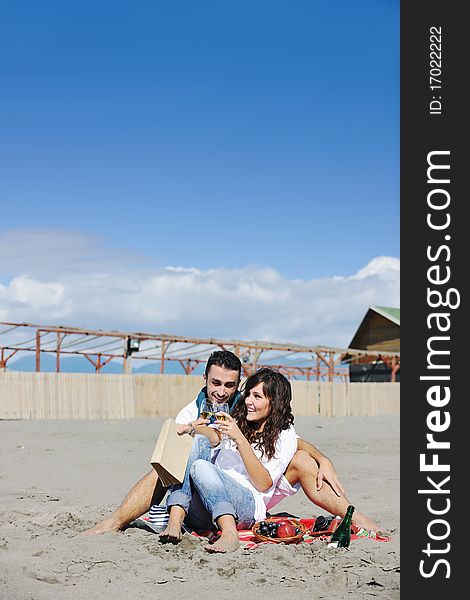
(258, 474)
(229, 427)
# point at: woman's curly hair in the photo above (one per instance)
(277, 389)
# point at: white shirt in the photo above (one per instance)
(231, 462)
(188, 413)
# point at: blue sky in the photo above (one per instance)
(240, 138)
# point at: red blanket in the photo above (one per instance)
(250, 542)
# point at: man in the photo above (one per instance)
(309, 469)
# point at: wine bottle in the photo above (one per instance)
(342, 534)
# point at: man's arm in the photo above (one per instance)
(212, 434)
(326, 470)
(187, 414)
(187, 421)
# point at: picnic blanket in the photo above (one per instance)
(158, 517)
(250, 542)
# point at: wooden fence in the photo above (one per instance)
(88, 396)
(65, 396)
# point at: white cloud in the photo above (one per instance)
(32, 297)
(380, 266)
(246, 303)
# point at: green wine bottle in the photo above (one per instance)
(342, 534)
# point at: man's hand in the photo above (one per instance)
(327, 472)
(182, 429)
(200, 421)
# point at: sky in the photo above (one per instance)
(211, 168)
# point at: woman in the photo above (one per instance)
(231, 487)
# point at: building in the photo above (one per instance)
(379, 332)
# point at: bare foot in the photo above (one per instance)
(105, 526)
(361, 520)
(171, 535)
(228, 542)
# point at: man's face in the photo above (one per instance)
(221, 384)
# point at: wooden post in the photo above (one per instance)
(38, 351)
(57, 357)
(162, 363)
(127, 360)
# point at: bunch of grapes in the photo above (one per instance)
(281, 529)
(268, 529)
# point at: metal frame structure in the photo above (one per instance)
(321, 363)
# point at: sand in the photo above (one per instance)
(58, 478)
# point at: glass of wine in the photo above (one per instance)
(208, 410)
(224, 407)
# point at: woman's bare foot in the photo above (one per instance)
(105, 526)
(228, 542)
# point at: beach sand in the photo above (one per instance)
(58, 478)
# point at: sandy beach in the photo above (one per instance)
(58, 478)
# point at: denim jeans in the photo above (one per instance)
(208, 493)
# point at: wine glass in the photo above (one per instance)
(223, 407)
(208, 410)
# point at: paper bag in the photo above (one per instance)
(170, 457)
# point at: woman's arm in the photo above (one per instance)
(258, 474)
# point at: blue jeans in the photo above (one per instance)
(207, 492)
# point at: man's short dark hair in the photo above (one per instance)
(224, 358)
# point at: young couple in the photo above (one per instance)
(261, 462)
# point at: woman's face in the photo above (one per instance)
(257, 404)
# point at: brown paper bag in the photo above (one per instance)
(170, 457)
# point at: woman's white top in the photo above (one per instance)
(230, 461)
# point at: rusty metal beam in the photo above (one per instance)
(292, 348)
(328, 360)
(4, 359)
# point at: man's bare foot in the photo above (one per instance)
(361, 520)
(228, 542)
(104, 526)
(171, 535)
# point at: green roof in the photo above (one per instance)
(389, 312)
